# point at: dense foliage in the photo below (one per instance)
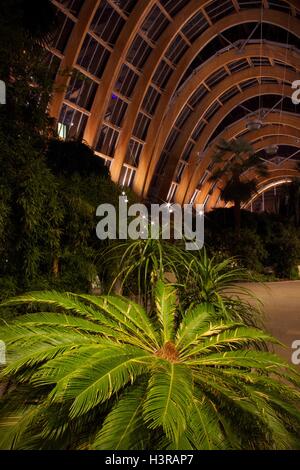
(267, 241)
(49, 190)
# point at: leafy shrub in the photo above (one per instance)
(266, 240)
(249, 248)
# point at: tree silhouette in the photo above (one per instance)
(234, 158)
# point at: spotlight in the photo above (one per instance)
(272, 149)
(254, 125)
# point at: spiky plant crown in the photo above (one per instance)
(97, 372)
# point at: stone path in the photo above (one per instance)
(281, 304)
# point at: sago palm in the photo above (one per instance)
(98, 373)
(205, 279)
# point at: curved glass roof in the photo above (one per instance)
(151, 85)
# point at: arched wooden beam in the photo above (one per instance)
(283, 139)
(165, 41)
(287, 119)
(271, 182)
(183, 191)
(246, 74)
(78, 35)
(72, 51)
(288, 171)
(234, 80)
(274, 176)
(144, 82)
(159, 125)
(113, 68)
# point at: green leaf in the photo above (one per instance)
(131, 315)
(124, 427)
(194, 322)
(255, 359)
(165, 300)
(14, 430)
(166, 404)
(233, 338)
(68, 302)
(98, 376)
(206, 430)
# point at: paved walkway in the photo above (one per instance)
(281, 304)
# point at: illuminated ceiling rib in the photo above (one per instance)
(266, 185)
(128, 70)
(288, 135)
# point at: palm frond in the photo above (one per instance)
(124, 427)
(14, 429)
(169, 393)
(96, 378)
(127, 313)
(247, 358)
(206, 430)
(193, 323)
(232, 337)
(165, 299)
